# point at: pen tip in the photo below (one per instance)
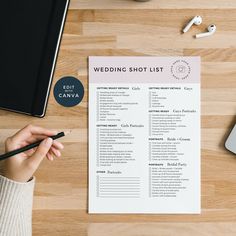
(67, 132)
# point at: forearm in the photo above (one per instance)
(16, 207)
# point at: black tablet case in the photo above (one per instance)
(30, 31)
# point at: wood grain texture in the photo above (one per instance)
(128, 28)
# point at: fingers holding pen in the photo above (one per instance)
(30, 131)
(53, 153)
(30, 146)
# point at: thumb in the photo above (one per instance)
(41, 152)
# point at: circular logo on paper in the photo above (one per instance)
(68, 91)
(180, 69)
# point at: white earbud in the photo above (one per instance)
(197, 20)
(211, 30)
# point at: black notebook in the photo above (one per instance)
(30, 33)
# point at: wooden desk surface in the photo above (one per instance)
(124, 27)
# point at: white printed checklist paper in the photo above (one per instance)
(144, 135)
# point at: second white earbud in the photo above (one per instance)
(197, 20)
(211, 30)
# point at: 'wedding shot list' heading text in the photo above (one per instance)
(128, 69)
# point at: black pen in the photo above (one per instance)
(28, 147)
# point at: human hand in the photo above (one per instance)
(21, 167)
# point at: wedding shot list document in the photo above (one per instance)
(144, 135)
